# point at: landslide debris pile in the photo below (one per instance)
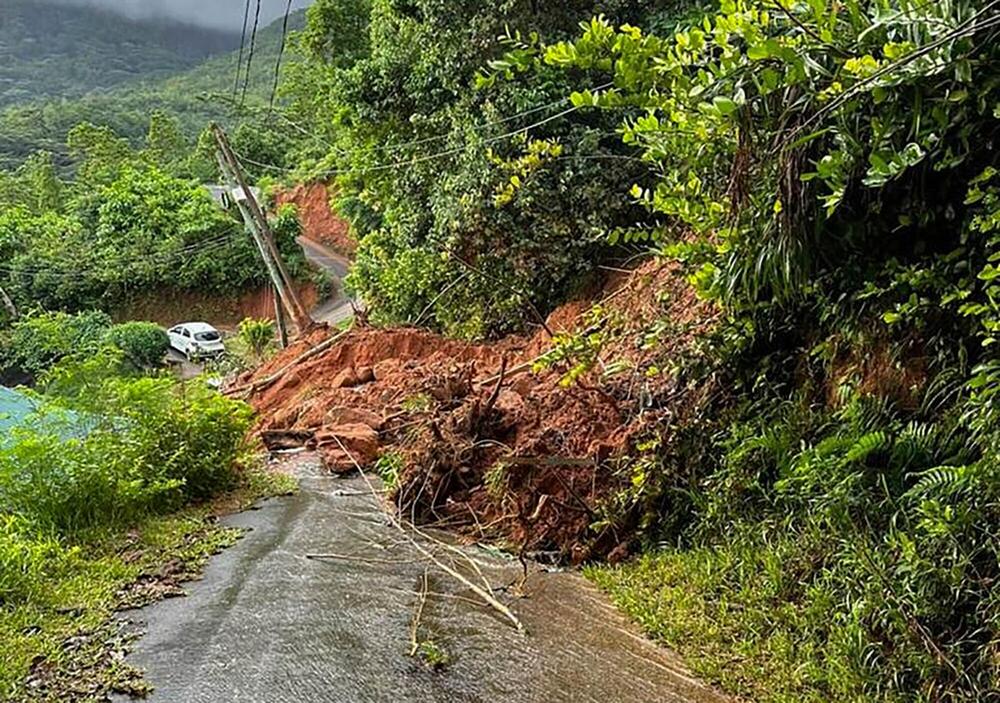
(484, 438)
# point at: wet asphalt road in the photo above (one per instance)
(333, 312)
(269, 625)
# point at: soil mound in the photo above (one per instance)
(525, 441)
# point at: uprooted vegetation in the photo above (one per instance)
(520, 441)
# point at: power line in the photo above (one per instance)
(476, 128)
(422, 159)
(253, 45)
(281, 53)
(243, 41)
(164, 259)
(393, 148)
(159, 258)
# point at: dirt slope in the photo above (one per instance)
(319, 223)
(225, 312)
(479, 437)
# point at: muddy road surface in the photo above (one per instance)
(270, 624)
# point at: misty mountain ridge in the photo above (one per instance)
(195, 95)
(49, 49)
(219, 14)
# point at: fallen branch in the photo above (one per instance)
(517, 370)
(495, 395)
(355, 559)
(483, 593)
(260, 385)
(415, 625)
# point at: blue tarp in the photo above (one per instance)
(14, 409)
(17, 410)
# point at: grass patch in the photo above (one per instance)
(433, 655)
(745, 641)
(65, 643)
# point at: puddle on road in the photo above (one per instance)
(269, 624)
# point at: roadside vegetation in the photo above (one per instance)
(820, 509)
(257, 337)
(453, 248)
(128, 222)
(33, 344)
(90, 488)
(829, 177)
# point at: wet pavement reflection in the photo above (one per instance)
(269, 624)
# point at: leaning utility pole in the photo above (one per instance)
(260, 230)
(279, 318)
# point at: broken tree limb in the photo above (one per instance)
(495, 395)
(517, 370)
(438, 297)
(480, 591)
(276, 376)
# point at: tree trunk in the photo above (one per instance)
(8, 304)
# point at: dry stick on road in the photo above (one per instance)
(359, 560)
(415, 624)
(483, 593)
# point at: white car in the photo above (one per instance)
(196, 340)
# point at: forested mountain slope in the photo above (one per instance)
(195, 96)
(55, 50)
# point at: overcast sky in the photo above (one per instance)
(221, 14)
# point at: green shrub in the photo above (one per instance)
(143, 343)
(39, 340)
(152, 445)
(25, 560)
(257, 335)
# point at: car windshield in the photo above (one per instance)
(208, 337)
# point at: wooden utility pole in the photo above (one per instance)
(279, 318)
(260, 230)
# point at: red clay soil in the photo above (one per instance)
(484, 441)
(319, 223)
(225, 312)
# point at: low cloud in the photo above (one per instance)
(218, 14)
